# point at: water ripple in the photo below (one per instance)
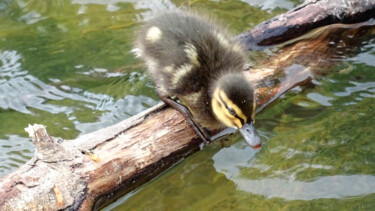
(119, 110)
(20, 91)
(15, 150)
(148, 8)
(319, 98)
(358, 87)
(337, 186)
(230, 161)
(367, 56)
(270, 4)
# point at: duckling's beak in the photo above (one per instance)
(251, 136)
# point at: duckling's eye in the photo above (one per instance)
(232, 112)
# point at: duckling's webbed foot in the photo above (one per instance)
(188, 116)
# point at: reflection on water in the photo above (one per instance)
(230, 161)
(325, 187)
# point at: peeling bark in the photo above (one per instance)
(136, 150)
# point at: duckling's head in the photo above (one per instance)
(233, 104)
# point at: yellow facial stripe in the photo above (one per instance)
(232, 105)
(153, 34)
(222, 113)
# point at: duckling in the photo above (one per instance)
(195, 62)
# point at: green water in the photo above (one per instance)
(66, 64)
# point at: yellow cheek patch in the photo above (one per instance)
(153, 34)
(220, 114)
(223, 114)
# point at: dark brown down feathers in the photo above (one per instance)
(187, 57)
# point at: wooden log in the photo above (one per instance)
(94, 169)
(305, 17)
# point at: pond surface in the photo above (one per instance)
(67, 65)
